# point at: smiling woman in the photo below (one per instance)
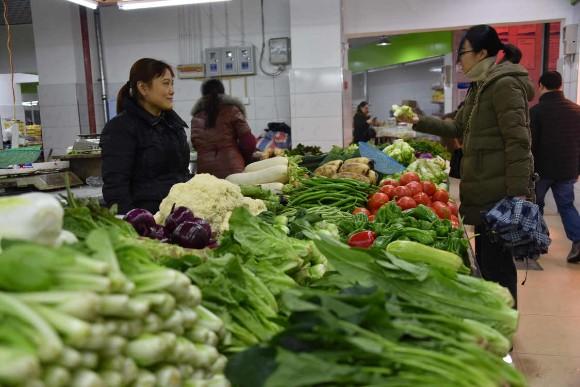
(144, 148)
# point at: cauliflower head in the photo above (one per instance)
(209, 198)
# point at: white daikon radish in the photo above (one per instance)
(273, 187)
(276, 174)
(268, 163)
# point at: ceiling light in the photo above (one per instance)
(142, 4)
(92, 4)
(384, 42)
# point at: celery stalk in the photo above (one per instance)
(86, 378)
(145, 379)
(168, 376)
(111, 378)
(55, 376)
(17, 366)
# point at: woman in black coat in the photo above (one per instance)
(144, 148)
(362, 130)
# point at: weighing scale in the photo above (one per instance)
(42, 177)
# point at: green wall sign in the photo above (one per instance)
(404, 48)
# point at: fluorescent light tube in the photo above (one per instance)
(142, 4)
(92, 4)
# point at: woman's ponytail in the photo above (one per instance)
(511, 53)
(124, 92)
(212, 90)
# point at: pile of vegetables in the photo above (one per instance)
(304, 150)
(360, 168)
(181, 228)
(208, 198)
(340, 153)
(408, 192)
(403, 113)
(33, 216)
(391, 223)
(430, 169)
(344, 194)
(383, 321)
(400, 151)
(102, 313)
(270, 174)
(431, 148)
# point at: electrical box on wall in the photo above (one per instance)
(571, 39)
(229, 61)
(246, 60)
(213, 60)
(279, 51)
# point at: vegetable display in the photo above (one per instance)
(344, 194)
(102, 313)
(359, 168)
(403, 113)
(208, 198)
(400, 151)
(429, 147)
(429, 170)
(390, 324)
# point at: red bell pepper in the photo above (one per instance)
(362, 239)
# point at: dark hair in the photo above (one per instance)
(360, 107)
(144, 70)
(551, 80)
(211, 91)
(484, 37)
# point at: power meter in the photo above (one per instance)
(213, 62)
(279, 51)
(229, 61)
(246, 62)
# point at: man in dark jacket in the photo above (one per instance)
(555, 124)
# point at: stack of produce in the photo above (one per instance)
(360, 168)
(208, 198)
(430, 169)
(339, 153)
(409, 192)
(181, 228)
(102, 313)
(428, 149)
(344, 194)
(403, 113)
(401, 152)
(270, 174)
(382, 321)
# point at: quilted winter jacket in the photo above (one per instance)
(217, 148)
(494, 126)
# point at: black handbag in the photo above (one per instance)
(455, 163)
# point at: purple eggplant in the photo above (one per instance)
(158, 232)
(425, 156)
(141, 220)
(191, 235)
(205, 225)
(177, 216)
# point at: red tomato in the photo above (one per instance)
(362, 239)
(429, 188)
(455, 221)
(389, 182)
(402, 192)
(408, 177)
(441, 196)
(377, 201)
(453, 208)
(389, 190)
(415, 187)
(422, 198)
(371, 218)
(361, 210)
(406, 203)
(441, 210)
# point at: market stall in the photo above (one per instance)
(274, 277)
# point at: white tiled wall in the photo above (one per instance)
(316, 76)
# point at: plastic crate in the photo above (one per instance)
(19, 156)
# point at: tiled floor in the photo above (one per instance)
(547, 344)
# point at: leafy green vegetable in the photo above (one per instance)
(429, 146)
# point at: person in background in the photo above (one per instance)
(144, 148)
(555, 128)
(362, 121)
(220, 133)
(497, 159)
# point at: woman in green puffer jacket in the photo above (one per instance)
(494, 127)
